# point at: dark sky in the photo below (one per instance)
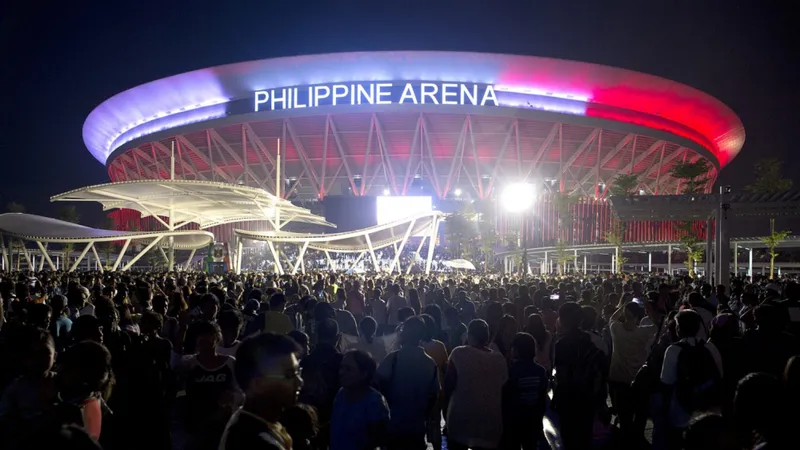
(59, 60)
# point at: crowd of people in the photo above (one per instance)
(353, 362)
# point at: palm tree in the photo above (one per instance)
(692, 244)
(623, 185)
(563, 203)
(769, 181)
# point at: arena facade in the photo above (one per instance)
(391, 123)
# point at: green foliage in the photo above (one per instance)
(563, 203)
(563, 256)
(769, 181)
(768, 178)
(693, 174)
(616, 236)
(14, 207)
(692, 244)
(624, 184)
(460, 231)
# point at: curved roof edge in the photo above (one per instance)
(30, 227)
(609, 93)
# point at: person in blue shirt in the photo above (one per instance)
(524, 396)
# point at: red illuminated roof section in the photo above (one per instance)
(612, 94)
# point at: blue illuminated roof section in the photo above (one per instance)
(559, 86)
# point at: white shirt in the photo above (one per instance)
(629, 350)
(677, 416)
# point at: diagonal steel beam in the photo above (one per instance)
(433, 169)
(222, 143)
(650, 150)
(383, 149)
(618, 148)
(163, 148)
(200, 155)
(458, 157)
(503, 148)
(366, 157)
(342, 153)
(584, 145)
(414, 146)
(304, 159)
(141, 154)
(475, 158)
(543, 148)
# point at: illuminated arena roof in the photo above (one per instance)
(534, 117)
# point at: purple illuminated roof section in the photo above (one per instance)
(527, 82)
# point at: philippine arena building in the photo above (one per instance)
(449, 125)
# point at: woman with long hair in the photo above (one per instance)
(544, 341)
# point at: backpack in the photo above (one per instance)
(698, 383)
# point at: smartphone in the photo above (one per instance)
(554, 297)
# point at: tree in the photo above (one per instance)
(692, 244)
(14, 207)
(109, 247)
(488, 241)
(770, 181)
(68, 214)
(616, 237)
(693, 175)
(563, 203)
(460, 230)
(563, 256)
(624, 184)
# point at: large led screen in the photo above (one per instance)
(391, 209)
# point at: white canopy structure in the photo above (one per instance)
(461, 264)
(176, 203)
(362, 242)
(43, 230)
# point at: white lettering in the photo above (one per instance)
(429, 90)
(448, 90)
(339, 91)
(473, 97)
(297, 103)
(383, 93)
(281, 100)
(352, 94)
(408, 94)
(318, 94)
(367, 97)
(489, 94)
(261, 97)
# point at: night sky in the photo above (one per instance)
(59, 60)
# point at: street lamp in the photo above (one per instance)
(519, 198)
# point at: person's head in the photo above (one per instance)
(758, 406)
(589, 320)
(688, 323)
(357, 369)
(770, 319)
(506, 330)
(724, 327)
(39, 315)
(478, 333)
(302, 341)
(368, 326)
(161, 304)
(87, 328)
(151, 323)
(208, 336)
(277, 302)
(634, 313)
(569, 316)
(85, 369)
(404, 313)
(58, 303)
(107, 314)
(209, 306)
(37, 350)
(523, 347)
(324, 311)
(413, 332)
(709, 431)
(328, 332)
(267, 371)
(230, 323)
(431, 329)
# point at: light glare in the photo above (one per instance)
(518, 197)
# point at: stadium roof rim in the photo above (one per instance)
(202, 95)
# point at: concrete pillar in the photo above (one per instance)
(750, 263)
(709, 250)
(669, 259)
(736, 258)
(575, 260)
(585, 267)
(649, 261)
(547, 267)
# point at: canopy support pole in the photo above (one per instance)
(81, 256)
(239, 246)
(141, 253)
(97, 258)
(41, 261)
(278, 267)
(434, 233)
(26, 254)
(330, 261)
(46, 256)
(300, 256)
(399, 250)
(189, 261)
(416, 254)
(372, 253)
(357, 260)
(6, 263)
(121, 254)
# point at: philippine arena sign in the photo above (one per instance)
(384, 93)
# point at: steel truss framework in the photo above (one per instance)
(362, 242)
(367, 153)
(44, 230)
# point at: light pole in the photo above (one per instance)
(518, 198)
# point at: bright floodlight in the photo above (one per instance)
(517, 197)
(457, 192)
(386, 192)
